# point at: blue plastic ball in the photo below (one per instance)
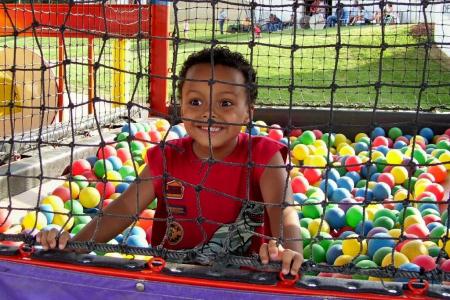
(368, 225)
(333, 252)
(335, 217)
(328, 186)
(378, 241)
(345, 234)
(129, 179)
(122, 187)
(383, 149)
(284, 141)
(179, 130)
(368, 170)
(363, 193)
(374, 177)
(360, 147)
(299, 198)
(427, 133)
(130, 128)
(381, 191)
(354, 176)
(339, 194)
(333, 174)
(92, 160)
(433, 225)
(346, 183)
(378, 131)
(47, 210)
(119, 238)
(137, 241)
(115, 162)
(135, 230)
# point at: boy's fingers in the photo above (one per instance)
(287, 258)
(264, 254)
(298, 260)
(51, 238)
(273, 250)
(63, 238)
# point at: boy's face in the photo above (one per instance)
(228, 104)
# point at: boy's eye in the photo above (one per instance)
(195, 102)
(226, 103)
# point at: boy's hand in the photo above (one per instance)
(48, 239)
(291, 261)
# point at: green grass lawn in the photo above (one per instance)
(310, 69)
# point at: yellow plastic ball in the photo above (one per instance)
(61, 218)
(314, 227)
(413, 219)
(429, 244)
(114, 196)
(320, 144)
(420, 186)
(339, 139)
(446, 247)
(401, 195)
(414, 248)
(395, 233)
(359, 136)
(376, 154)
(445, 159)
(114, 177)
(316, 161)
(398, 259)
(141, 168)
(89, 197)
(300, 152)
(346, 150)
(343, 260)
(321, 151)
(56, 202)
(351, 246)
(261, 125)
(34, 220)
(400, 174)
(394, 157)
(162, 125)
(73, 187)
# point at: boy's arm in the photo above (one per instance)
(105, 228)
(118, 215)
(273, 185)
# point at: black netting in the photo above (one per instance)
(358, 93)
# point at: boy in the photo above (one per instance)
(202, 181)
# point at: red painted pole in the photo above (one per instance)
(159, 54)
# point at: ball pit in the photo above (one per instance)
(333, 182)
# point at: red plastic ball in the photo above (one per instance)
(90, 176)
(123, 154)
(143, 137)
(312, 175)
(419, 230)
(155, 136)
(105, 189)
(426, 194)
(437, 190)
(445, 265)
(105, 152)
(402, 139)
(299, 184)
(63, 193)
(409, 237)
(148, 236)
(427, 176)
(390, 142)
(431, 218)
(275, 132)
(439, 172)
(146, 219)
(80, 166)
(318, 133)
(353, 163)
(5, 220)
(380, 141)
(106, 202)
(447, 132)
(425, 261)
(296, 132)
(387, 178)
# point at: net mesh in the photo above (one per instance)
(375, 56)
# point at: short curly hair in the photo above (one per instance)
(225, 57)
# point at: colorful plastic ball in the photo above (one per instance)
(312, 175)
(343, 260)
(394, 133)
(101, 166)
(300, 152)
(394, 157)
(79, 166)
(335, 217)
(89, 197)
(314, 252)
(419, 230)
(333, 252)
(425, 261)
(445, 266)
(368, 225)
(275, 132)
(351, 246)
(381, 191)
(307, 138)
(105, 189)
(123, 154)
(116, 162)
(387, 178)
(380, 254)
(354, 215)
(427, 133)
(137, 241)
(400, 174)
(306, 236)
(63, 193)
(146, 219)
(77, 228)
(47, 210)
(368, 170)
(439, 172)
(299, 184)
(384, 222)
(378, 241)
(130, 128)
(400, 145)
(62, 219)
(312, 208)
(315, 161)
(56, 202)
(378, 131)
(397, 259)
(81, 181)
(437, 190)
(121, 187)
(444, 158)
(317, 225)
(328, 186)
(134, 230)
(34, 220)
(414, 248)
(340, 194)
(106, 151)
(83, 219)
(74, 207)
(353, 163)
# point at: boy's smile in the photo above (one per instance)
(224, 104)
